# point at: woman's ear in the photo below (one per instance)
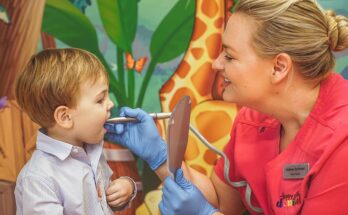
(63, 117)
(282, 67)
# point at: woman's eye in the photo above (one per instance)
(101, 101)
(228, 58)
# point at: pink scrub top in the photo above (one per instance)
(311, 175)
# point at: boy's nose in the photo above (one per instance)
(110, 104)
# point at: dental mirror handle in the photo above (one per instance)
(131, 119)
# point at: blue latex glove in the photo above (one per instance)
(183, 198)
(142, 137)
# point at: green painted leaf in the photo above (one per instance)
(233, 6)
(120, 21)
(341, 64)
(70, 25)
(81, 4)
(334, 4)
(173, 34)
(4, 15)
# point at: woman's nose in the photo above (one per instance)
(218, 63)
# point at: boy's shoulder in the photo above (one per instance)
(41, 165)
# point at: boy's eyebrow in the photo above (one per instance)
(102, 92)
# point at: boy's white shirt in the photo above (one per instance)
(62, 179)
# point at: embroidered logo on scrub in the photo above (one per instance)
(289, 200)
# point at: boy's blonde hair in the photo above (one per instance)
(53, 78)
(300, 28)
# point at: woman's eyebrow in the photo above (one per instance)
(227, 47)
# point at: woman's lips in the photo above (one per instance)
(226, 82)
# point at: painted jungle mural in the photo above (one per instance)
(154, 51)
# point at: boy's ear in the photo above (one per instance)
(63, 117)
(282, 67)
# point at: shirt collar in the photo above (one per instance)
(62, 149)
(94, 152)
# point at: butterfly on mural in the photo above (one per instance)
(137, 65)
(3, 102)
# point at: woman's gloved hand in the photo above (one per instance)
(142, 137)
(183, 198)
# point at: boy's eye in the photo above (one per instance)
(100, 101)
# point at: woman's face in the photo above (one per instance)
(247, 75)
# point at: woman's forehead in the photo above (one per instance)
(239, 22)
(238, 32)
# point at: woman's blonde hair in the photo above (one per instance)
(52, 78)
(300, 28)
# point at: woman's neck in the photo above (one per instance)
(291, 106)
(295, 105)
(298, 102)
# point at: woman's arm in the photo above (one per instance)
(162, 171)
(201, 181)
(219, 194)
(229, 199)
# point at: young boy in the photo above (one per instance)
(66, 92)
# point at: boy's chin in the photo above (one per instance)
(95, 141)
(98, 138)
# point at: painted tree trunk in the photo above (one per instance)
(47, 41)
(19, 35)
(18, 39)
